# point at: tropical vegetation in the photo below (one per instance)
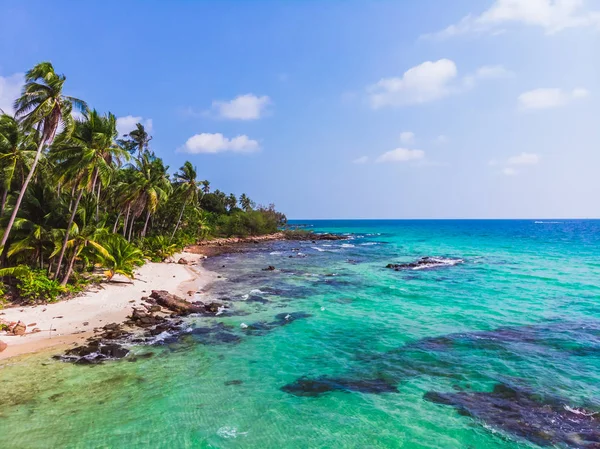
(79, 202)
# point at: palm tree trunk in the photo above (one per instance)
(98, 203)
(131, 228)
(68, 230)
(70, 268)
(116, 223)
(72, 196)
(126, 221)
(179, 221)
(146, 224)
(15, 211)
(4, 196)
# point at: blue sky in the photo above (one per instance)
(405, 109)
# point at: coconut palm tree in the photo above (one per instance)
(87, 236)
(187, 187)
(84, 158)
(205, 186)
(151, 186)
(17, 151)
(42, 106)
(138, 139)
(245, 202)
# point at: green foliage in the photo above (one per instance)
(34, 285)
(122, 256)
(71, 201)
(158, 248)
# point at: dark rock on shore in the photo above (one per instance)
(3, 346)
(94, 352)
(425, 263)
(542, 420)
(269, 268)
(175, 303)
(316, 387)
(313, 236)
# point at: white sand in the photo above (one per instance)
(62, 323)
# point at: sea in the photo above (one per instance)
(407, 334)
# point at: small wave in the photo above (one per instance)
(433, 262)
(275, 253)
(257, 291)
(347, 245)
(548, 222)
(230, 432)
(369, 244)
(318, 249)
(579, 411)
(245, 297)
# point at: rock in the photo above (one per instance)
(19, 328)
(86, 323)
(32, 324)
(213, 307)
(175, 303)
(269, 268)
(3, 346)
(191, 292)
(425, 263)
(35, 330)
(183, 261)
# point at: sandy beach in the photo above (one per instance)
(66, 322)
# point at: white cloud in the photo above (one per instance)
(551, 15)
(401, 155)
(243, 107)
(493, 162)
(509, 171)
(127, 124)
(407, 137)
(217, 143)
(10, 89)
(545, 98)
(426, 82)
(441, 139)
(361, 160)
(524, 159)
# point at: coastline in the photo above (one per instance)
(69, 322)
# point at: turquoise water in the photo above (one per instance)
(520, 307)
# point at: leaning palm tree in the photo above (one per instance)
(42, 106)
(17, 151)
(84, 159)
(138, 139)
(205, 186)
(187, 187)
(151, 186)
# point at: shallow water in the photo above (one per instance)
(523, 308)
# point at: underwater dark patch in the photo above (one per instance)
(316, 387)
(542, 420)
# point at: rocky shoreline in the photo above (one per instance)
(146, 316)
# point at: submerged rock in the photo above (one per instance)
(425, 263)
(316, 387)
(542, 420)
(281, 319)
(3, 346)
